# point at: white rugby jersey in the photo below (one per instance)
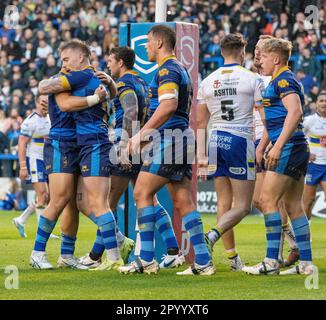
(259, 125)
(36, 128)
(230, 94)
(314, 127)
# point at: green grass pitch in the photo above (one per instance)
(72, 284)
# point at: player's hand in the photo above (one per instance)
(45, 105)
(259, 156)
(312, 157)
(104, 77)
(202, 170)
(273, 157)
(23, 174)
(134, 144)
(124, 157)
(101, 92)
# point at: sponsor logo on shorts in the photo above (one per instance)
(238, 170)
(84, 169)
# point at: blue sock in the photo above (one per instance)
(67, 245)
(194, 226)
(273, 224)
(107, 225)
(302, 235)
(98, 246)
(146, 224)
(163, 224)
(45, 228)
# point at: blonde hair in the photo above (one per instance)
(265, 37)
(281, 47)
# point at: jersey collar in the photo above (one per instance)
(170, 57)
(133, 72)
(285, 68)
(230, 65)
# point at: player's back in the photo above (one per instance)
(172, 75)
(230, 94)
(37, 128)
(130, 81)
(282, 84)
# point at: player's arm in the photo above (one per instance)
(129, 103)
(69, 103)
(107, 80)
(202, 118)
(54, 85)
(23, 141)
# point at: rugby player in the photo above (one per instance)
(34, 129)
(171, 98)
(228, 96)
(287, 232)
(314, 127)
(287, 160)
(62, 150)
(130, 105)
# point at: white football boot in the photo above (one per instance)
(71, 262)
(263, 268)
(236, 263)
(197, 269)
(39, 260)
(87, 261)
(171, 261)
(140, 266)
(301, 268)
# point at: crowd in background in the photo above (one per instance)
(29, 53)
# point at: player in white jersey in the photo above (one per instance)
(287, 232)
(228, 96)
(30, 152)
(315, 131)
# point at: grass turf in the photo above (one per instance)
(72, 284)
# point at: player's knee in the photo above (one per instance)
(183, 205)
(267, 202)
(141, 194)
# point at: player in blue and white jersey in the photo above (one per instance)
(34, 129)
(228, 97)
(286, 161)
(314, 127)
(171, 97)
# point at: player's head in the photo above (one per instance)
(41, 104)
(233, 47)
(275, 55)
(74, 55)
(160, 38)
(120, 60)
(321, 103)
(258, 48)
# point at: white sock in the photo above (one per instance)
(27, 213)
(289, 236)
(39, 211)
(113, 254)
(66, 256)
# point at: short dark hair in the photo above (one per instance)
(232, 43)
(126, 54)
(76, 45)
(166, 33)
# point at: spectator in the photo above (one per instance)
(306, 80)
(309, 65)
(43, 50)
(50, 67)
